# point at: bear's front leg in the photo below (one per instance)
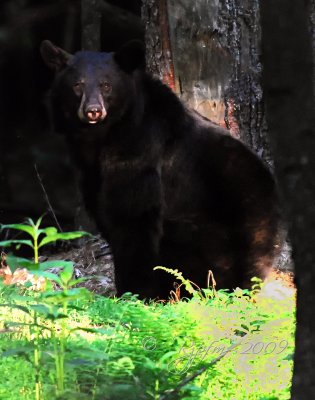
(135, 249)
(132, 215)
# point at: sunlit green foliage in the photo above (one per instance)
(74, 345)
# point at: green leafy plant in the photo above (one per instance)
(39, 237)
(225, 346)
(178, 275)
(184, 350)
(48, 304)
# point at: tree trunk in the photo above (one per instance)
(214, 48)
(157, 38)
(288, 78)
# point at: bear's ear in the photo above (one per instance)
(131, 56)
(54, 56)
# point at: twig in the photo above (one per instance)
(47, 199)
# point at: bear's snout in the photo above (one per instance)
(94, 113)
(91, 111)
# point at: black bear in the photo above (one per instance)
(165, 185)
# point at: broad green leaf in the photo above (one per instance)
(66, 274)
(21, 227)
(31, 266)
(77, 281)
(23, 299)
(56, 298)
(18, 262)
(50, 230)
(62, 236)
(16, 306)
(48, 239)
(28, 324)
(73, 235)
(55, 264)
(78, 293)
(40, 308)
(7, 243)
(48, 275)
(55, 316)
(67, 295)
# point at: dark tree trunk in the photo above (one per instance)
(288, 78)
(214, 48)
(239, 27)
(157, 38)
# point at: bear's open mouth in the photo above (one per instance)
(94, 116)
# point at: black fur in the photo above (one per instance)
(164, 185)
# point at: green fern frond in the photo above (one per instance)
(178, 275)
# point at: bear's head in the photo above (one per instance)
(93, 87)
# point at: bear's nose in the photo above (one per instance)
(93, 113)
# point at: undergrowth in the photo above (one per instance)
(70, 344)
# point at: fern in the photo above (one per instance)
(178, 275)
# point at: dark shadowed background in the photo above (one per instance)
(26, 137)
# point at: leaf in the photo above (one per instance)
(7, 243)
(101, 331)
(12, 323)
(20, 227)
(75, 307)
(88, 353)
(73, 235)
(18, 262)
(48, 275)
(56, 316)
(70, 295)
(38, 222)
(50, 230)
(78, 292)
(35, 226)
(66, 274)
(40, 308)
(16, 306)
(62, 236)
(77, 281)
(18, 351)
(31, 222)
(23, 298)
(55, 264)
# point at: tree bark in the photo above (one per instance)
(289, 91)
(215, 51)
(157, 39)
(240, 32)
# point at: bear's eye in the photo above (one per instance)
(105, 86)
(78, 88)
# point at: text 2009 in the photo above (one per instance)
(266, 348)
